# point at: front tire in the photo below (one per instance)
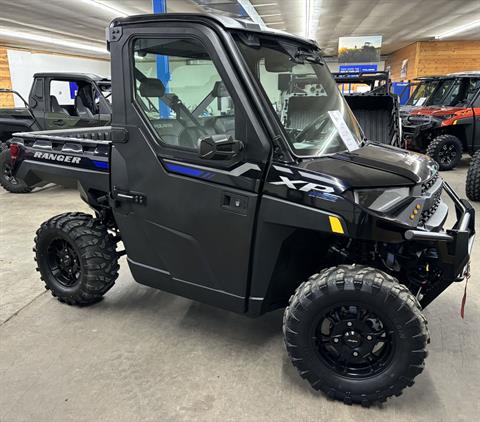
(356, 334)
(446, 150)
(472, 186)
(76, 258)
(8, 182)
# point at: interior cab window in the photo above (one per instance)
(473, 88)
(73, 98)
(180, 91)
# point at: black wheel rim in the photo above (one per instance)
(7, 174)
(447, 154)
(353, 341)
(63, 262)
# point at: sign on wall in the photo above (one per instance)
(357, 68)
(364, 49)
(404, 69)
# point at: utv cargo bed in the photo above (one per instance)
(71, 158)
(376, 110)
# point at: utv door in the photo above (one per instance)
(476, 123)
(186, 222)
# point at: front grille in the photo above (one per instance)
(429, 183)
(418, 120)
(432, 191)
(427, 213)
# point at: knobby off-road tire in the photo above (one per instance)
(363, 314)
(76, 258)
(9, 183)
(446, 150)
(472, 186)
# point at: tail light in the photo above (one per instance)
(14, 151)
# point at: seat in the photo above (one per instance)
(55, 107)
(82, 110)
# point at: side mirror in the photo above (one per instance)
(219, 147)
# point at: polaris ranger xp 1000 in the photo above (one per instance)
(217, 199)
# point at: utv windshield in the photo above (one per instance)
(422, 93)
(303, 93)
(444, 88)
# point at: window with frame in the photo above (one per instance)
(180, 91)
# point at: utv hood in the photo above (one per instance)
(435, 111)
(375, 165)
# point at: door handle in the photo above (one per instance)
(235, 203)
(59, 122)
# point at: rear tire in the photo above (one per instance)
(472, 186)
(8, 182)
(356, 334)
(446, 150)
(76, 258)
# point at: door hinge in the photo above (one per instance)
(128, 196)
(119, 134)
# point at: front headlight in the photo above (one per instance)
(447, 116)
(380, 200)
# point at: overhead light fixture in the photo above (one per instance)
(312, 14)
(308, 17)
(49, 40)
(458, 30)
(276, 23)
(251, 12)
(271, 15)
(107, 8)
(265, 4)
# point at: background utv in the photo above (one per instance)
(450, 124)
(245, 207)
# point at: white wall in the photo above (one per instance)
(23, 64)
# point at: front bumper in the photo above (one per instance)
(414, 128)
(453, 245)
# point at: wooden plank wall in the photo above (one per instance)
(395, 60)
(435, 58)
(6, 100)
(441, 57)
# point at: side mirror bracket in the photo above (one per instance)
(219, 147)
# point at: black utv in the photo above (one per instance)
(57, 100)
(218, 199)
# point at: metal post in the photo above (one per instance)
(163, 68)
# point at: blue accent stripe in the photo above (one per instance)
(101, 164)
(184, 170)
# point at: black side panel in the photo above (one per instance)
(278, 220)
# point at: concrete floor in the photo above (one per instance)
(145, 355)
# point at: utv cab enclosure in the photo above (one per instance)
(423, 88)
(217, 196)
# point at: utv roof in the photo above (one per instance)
(470, 73)
(71, 75)
(224, 21)
(360, 77)
(429, 78)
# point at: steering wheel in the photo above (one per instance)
(310, 126)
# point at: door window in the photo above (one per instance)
(180, 91)
(74, 98)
